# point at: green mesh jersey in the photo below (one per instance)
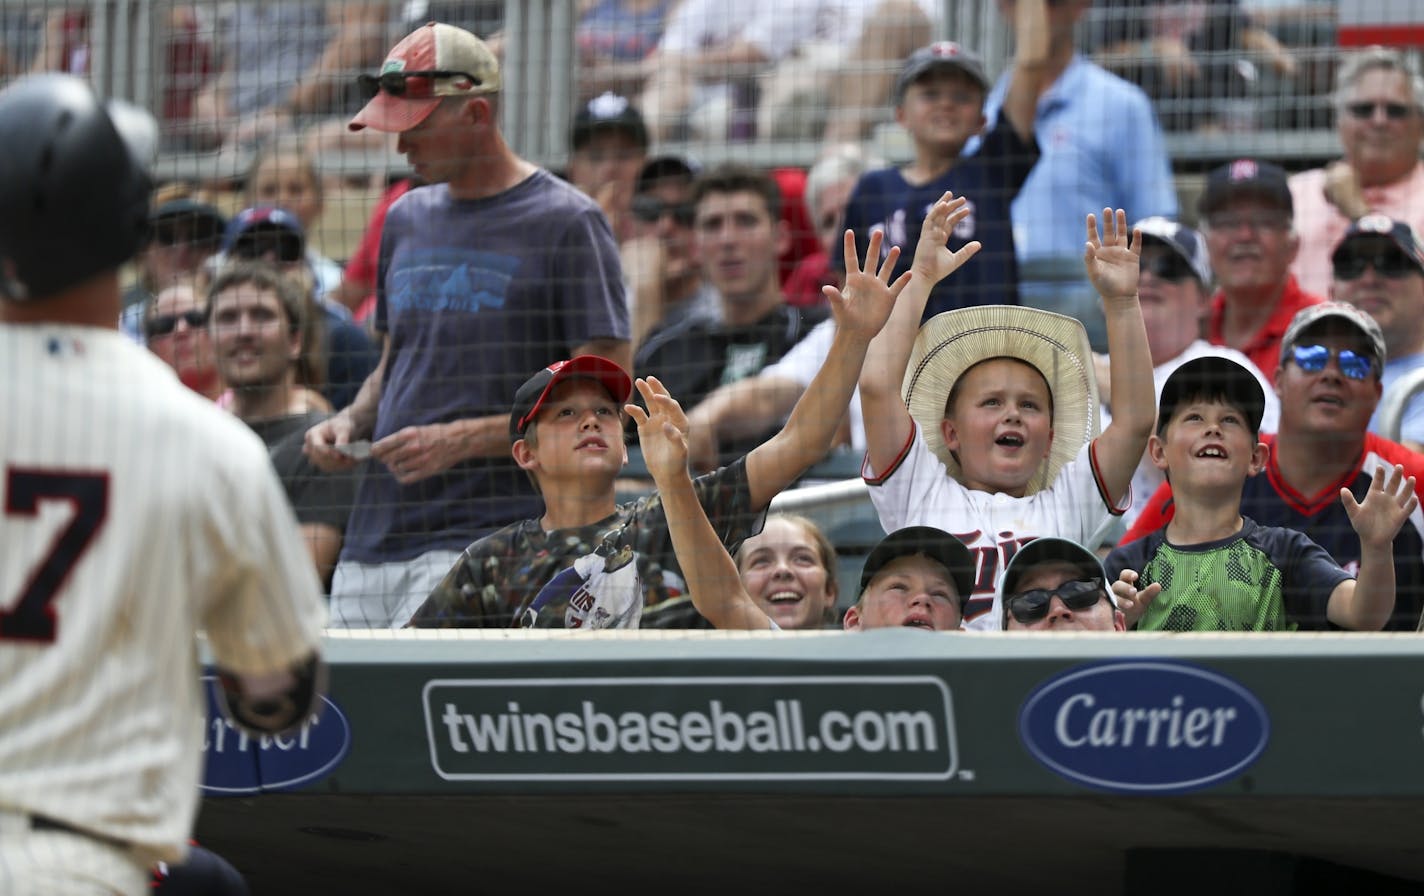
(1262, 579)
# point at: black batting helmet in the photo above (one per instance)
(74, 185)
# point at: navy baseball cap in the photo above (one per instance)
(255, 231)
(1374, 225)
(940, 54)
(936, 544)
(1210, 377)
(535, 391)
(196, 222)
(608, 112)
(1246, 177)
(1181, 239)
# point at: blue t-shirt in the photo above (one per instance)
(989, 179)
(1102, 148)
(475, 296)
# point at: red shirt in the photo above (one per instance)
(362, 266)
(1264, 348)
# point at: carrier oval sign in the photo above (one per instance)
(1144, 726)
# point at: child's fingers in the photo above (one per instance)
(1121, 225)
(852, 257)
(887, 267)
(1110, 232)
(899, 285)
(674, 435)
(1093, 230)
(639, 417)
(966, 252)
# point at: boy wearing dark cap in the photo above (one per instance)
(608, 146)
(590, 562)
(916, 577)
(939, 100)
(1212, 569)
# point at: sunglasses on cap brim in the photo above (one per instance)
(410, 85)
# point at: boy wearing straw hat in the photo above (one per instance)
(996, 436)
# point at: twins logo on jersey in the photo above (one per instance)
(897, 232)
(989, 559)
(600, 590)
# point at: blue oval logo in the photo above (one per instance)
(235, 763)
(1143, 726)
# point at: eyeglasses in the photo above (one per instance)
(287, 246)
(1167, 266)
(649, 209)
(416, 85)
(1392, 111)
(163, 324)
(1313, 358)
(1031, 606)
(1390, 263)
(1257, 221)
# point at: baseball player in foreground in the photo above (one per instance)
(132, 514)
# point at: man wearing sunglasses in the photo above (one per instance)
(1379, 116)
(494, 268)
(1379, 268)
(1328, 382)
(1057, 585)
(1251, 240)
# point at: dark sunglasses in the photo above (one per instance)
(1031, 606)
(1390, 263)
(287, 246)
(649, 209)
(1392, 111)
(1167, 266)
(163, 324)
(1313, 358)
(417, 85)
(168, 234)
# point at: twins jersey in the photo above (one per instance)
(1270, 501)
(134, 513)
(917, 491)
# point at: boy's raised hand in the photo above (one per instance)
(933, 259)
(1377, 520)
(662, 429)
(1112, 259)
(1132, 602)
(869, 296)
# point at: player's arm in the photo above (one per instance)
(860, 313)
(1365, 603)
(275, 702)
(1112, 267)
(712, 578)
(1030, 61)
(887, 421)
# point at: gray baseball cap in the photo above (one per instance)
(1313, 314)
(1181, 239)
(942, 53)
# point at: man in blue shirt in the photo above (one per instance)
(1101, 147)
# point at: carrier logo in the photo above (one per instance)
(235, 763)
(1144, 727)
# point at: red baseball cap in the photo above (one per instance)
(535, 391)
(434, 61)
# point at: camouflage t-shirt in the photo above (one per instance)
(589, 577)
(1263, 578)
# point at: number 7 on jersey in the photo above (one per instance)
(31, 617)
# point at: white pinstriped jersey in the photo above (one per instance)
(918, 491)
(132, 514)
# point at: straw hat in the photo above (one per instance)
(950, 343)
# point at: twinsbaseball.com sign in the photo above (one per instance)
(895, 727)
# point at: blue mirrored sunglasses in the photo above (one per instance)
(1313, 358)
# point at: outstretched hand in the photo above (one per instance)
(1377, 520)
(662, 429)
(933, 259)
(1112, 259)
(869, 296)
(1132, 602)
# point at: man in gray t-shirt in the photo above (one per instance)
(495, 269)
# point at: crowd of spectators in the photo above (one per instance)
(382, 379)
